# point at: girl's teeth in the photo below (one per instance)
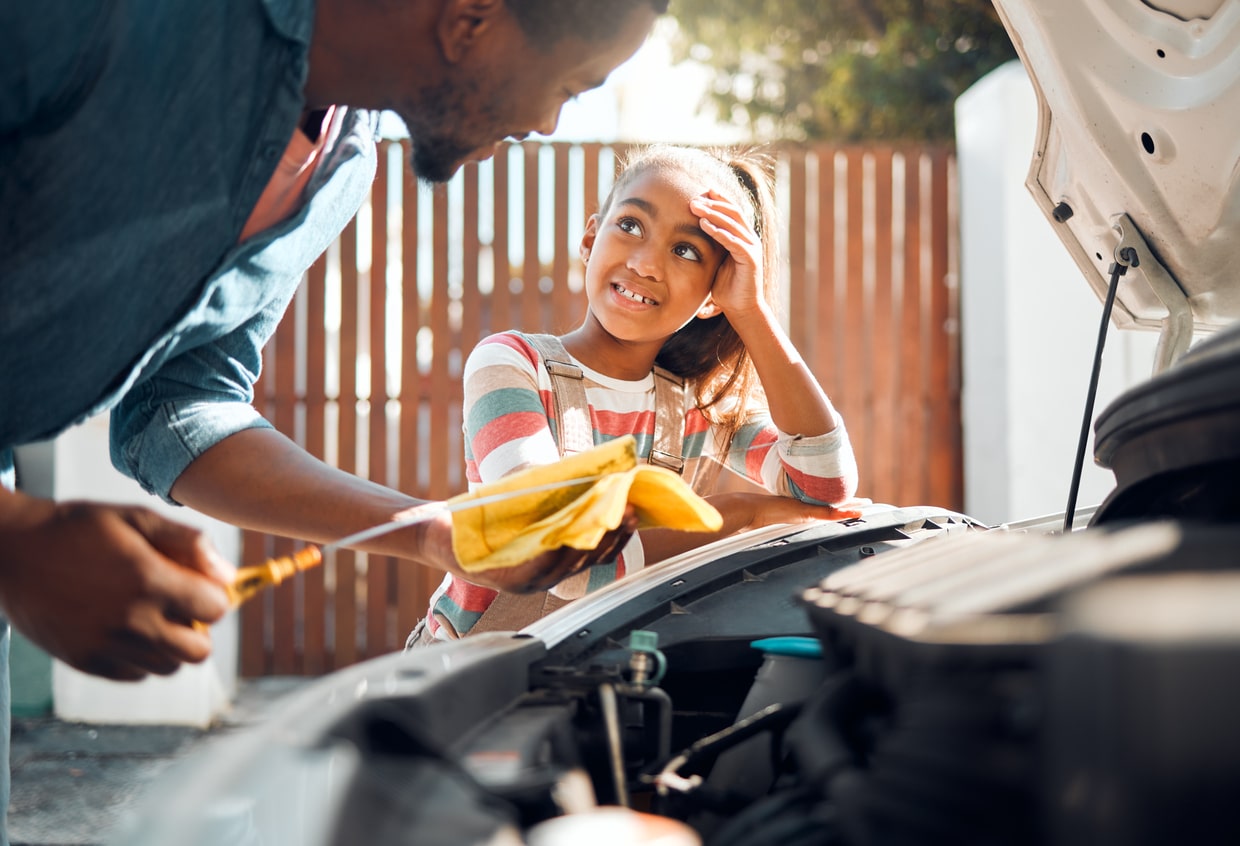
(635, 297)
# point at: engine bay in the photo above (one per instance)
(966, 685)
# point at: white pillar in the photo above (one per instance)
(1029, 322)
(197, 693)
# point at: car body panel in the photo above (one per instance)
(1136, 105)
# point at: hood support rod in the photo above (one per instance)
(1125, 257)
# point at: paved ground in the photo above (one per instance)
(73, 784)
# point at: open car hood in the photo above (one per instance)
(1138, 147)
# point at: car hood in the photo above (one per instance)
(1138, 147)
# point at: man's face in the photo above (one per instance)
(505, 88)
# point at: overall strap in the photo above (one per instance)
(513, 611)
(568, 384)
(510, 612)
(667, 447)
(573, 414)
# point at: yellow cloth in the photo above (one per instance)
(514, 530)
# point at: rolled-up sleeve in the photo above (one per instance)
(193, 402)
(196, 387)
(818, 469)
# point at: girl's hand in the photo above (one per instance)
(741, 511)
(543, 571)
(738, 288)
(744, 511)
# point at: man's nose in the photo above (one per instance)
(549, 122)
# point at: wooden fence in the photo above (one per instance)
(365, 369)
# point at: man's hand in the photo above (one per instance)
(542, 572)
(110, 590)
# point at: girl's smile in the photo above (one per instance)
(633, 296)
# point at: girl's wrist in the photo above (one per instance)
(755, 322)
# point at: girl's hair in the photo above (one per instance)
(708, 350)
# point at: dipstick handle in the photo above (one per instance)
(250, 580)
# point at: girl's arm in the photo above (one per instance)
(797, 403)
(741, 512)
(507, 427)
(815, 459)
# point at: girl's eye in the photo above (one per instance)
(687, 251)
(629, 225)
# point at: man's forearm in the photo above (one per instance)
(259, 479)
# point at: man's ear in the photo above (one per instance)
(587, 238)
(462, 23)
(708, 308)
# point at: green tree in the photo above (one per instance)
(842, 69)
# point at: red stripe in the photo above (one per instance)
(507, 339)
(824, 490)
(470, 597)
(695, 422)
(758, 450)
(617, 423)
(505, 429)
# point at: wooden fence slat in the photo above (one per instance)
(827, 355)
(440, 387)
(884, 347)
(254, 615)
(800, 310)
(531, 266)
(945, 468)
(314, 654)
(590, 153)
(914, 355)
(471, 295)
(502, 316)
(856, 326)
(378, 591)
(412, 580)
(564, 315)
(345, 605)
(285, 619)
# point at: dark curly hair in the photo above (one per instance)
(546, 22)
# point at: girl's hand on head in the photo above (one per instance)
(738, 288)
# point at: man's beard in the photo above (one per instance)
(436, 157)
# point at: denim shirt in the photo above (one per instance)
(136, 147)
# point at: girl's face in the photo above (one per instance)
(649, 265)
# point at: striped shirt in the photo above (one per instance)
(509, 424)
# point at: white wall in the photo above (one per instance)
(1029, 322)
(76, 465)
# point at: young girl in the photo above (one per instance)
(680, 272)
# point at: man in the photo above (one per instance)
(168, 171)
